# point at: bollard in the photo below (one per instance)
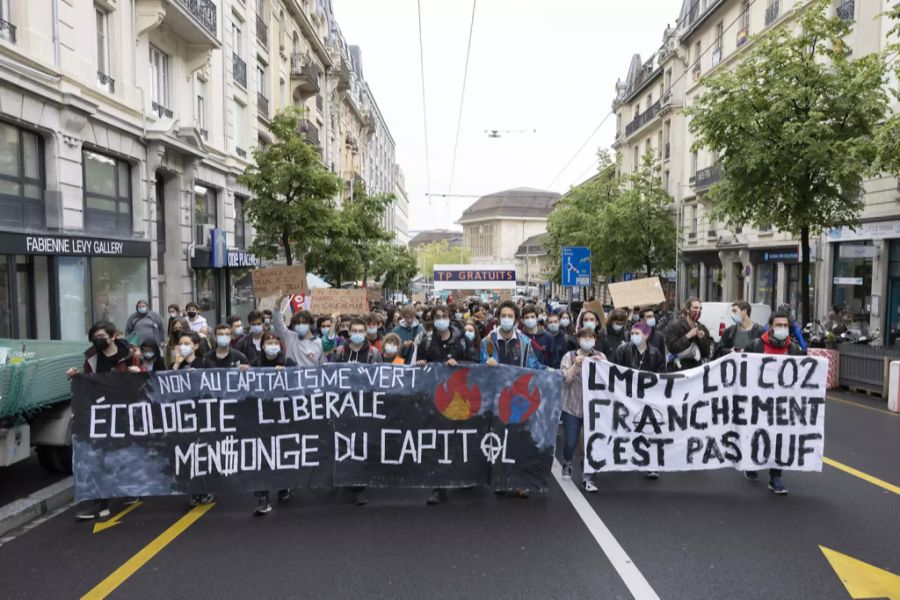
(894, 386)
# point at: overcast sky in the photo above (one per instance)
(549, 65)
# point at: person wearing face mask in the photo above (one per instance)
(250, 344)
(150, 359)
(656, 339)
(507, 345)
(616, 331)
(176, 329)
(328, 335)
(224, 356)
(174, 313)
(300, 344)
(409, 331)
(567, 325)
(357, 350)
(590, 319)
(796, 330)
(532, 327)
(373, 326)
(391, 350)
(742, 332)
(105, 355)
(777, 340)
(145, 324)
(272, 356)
(573, 411)
(267, 319)
(195, 319)
(687, 339)
(237, 330)
(471, 341)
(556, 342)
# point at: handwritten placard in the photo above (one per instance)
(329, 301)
(275, 281)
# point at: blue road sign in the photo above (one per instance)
(576, 266)
(627, 276)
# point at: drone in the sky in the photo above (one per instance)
(496, 133)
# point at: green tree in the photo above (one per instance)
(575, 220)
(440, 253)
(889, 136)
(292, 193)
(395, 266)
(636, 230)
(795, 125)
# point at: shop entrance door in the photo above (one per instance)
(17, 297)
(893, 312)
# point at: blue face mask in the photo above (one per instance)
(256, 329)
(470, 335)
(142, 310)
(325, 331)
(553, 327)
(357, 338)
(302, 329)
(736, 318)
(651, 322)
(442, 324)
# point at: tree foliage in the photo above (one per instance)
(291, 205)
(795, 125)
(395, 266)
(438, 253)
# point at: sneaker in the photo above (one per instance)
(262, 505)
(194, 500)
(589, 486)
(207, 498)
(751, 475)
(776, 485)
(360, 498)
(567, 472)
(285, 494)
(132, 500)
(99, 509)
(437, 496)
(652, 475)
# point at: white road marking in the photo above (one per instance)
(15, 533)
(621, 562)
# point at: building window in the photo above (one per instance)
(200, 109)
(743, 33)
(107, 194)
(636, 158)
(103, 68)
(693, 165)
(159, 81)
(692, 223)
(766, 284)
(713, 283)
(204, 213)
(237, 39)
(21, 178)
(852, 285)
(693, 280)
(238, 110)
(698, 54)
(7, 28)
(717, 45)
(240, 226)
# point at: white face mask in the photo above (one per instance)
(586, 344)
(780, 333)
(637, 339)
(272, 350)
(590, 324)
(530, 323)
(507, 323)
(390, 349)
(223, 341)
(239, 330)
(565, 322)
(186, 349)
(553, 327)
(651, 322)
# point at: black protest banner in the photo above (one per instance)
(227, 430)
(745, 411)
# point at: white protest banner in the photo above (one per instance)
(745, 411)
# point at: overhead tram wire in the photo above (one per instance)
(462, 97)
(672, 85)
(424, 111)
(580, 148)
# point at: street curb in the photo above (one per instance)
(20, 512)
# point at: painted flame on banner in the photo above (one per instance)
(455, 399)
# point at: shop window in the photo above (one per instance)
(21, 179)
(204, 213)
(713, 283)
(107, 195)
(116, 285)
(766, 283)
(208, 294)
(241, 297)
(852, 284)
(74, 295)
(693, 280)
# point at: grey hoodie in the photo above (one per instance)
(306, 352)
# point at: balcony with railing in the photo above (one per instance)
(716, 56)
(239, 70)
(667, 152)
(240, 152)
(846, 10)
(305, 74)
(705, 178)
(106, 82)
(772, 13)
(161, 111)
(262, 31)
(309, 132)
(7, 31)
(642, 119)
(695, 70)
(262, 105)
(194, 21)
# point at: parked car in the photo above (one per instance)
(717, 316)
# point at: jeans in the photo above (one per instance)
(571, 429)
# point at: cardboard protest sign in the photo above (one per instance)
(418, 297)
(744, 411)
(373, 293)
(329, 301)
(227, 430)
(275, 281)
(505, 295)
(638, 292)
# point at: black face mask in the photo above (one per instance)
(100, 343)
(192, 313)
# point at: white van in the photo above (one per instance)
(717, 316)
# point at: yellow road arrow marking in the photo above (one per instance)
(103, 525)
(862, 580)
(131, 566)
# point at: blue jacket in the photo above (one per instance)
(490, 348)
(408, 334)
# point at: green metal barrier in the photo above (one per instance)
(39, 380)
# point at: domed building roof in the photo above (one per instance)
(518, 203)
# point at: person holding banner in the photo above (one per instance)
(237, 329)
(775, 341)
(357, 350)
(507, 345)
(590, 319)
(573, 406)
(687, 338)
(299, 342)
(106, 355)
(272, 357)
(533, 329)
(391, 353)
(471, 341)
(187, 351)
(224, 355)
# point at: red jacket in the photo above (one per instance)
(126, 356)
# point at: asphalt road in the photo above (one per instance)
(690, 535)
